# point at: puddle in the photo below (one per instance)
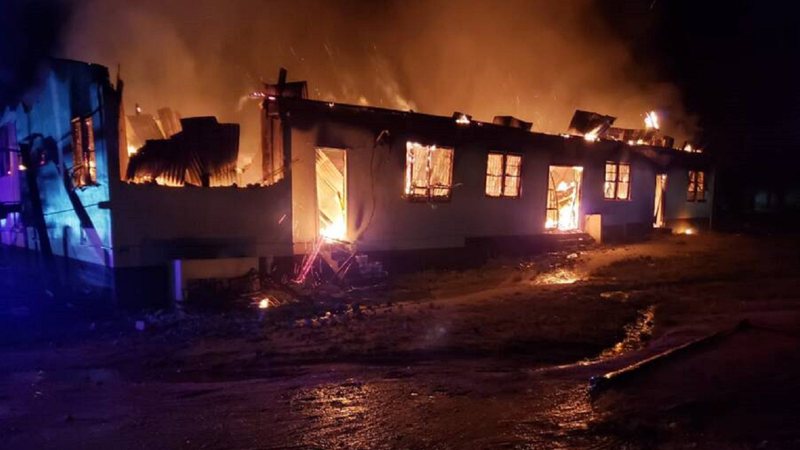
(636, 334)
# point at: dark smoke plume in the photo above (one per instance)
(535, 59)
(30, 32)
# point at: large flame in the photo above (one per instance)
(651, 120)
(568, 213)
(335, 231)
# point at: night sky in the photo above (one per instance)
(734, 63)
(737, 65)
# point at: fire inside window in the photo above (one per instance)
(503, 175)
(84, 165)
(617, 182)
(697, 186)
(429, 172)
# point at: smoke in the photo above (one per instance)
(537, 60)
(29, 33)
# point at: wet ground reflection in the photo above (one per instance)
(506, 408)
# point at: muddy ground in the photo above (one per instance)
(499, 357)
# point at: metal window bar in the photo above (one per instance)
(512, 175)
(691, 194)
(429, 172)
(77, 153)
(89, 158)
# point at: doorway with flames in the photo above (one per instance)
(331, 174)
(564, 199)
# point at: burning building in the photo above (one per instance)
(140, 206)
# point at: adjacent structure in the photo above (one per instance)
(143, 217)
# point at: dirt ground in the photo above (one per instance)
(499, 357)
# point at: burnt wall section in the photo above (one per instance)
(680, 213)
(75, 221)
(156, 224)
(621, 219)
(382, 219)
(12, 229)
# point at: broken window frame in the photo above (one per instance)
(84, 162)
(553, 210)
(696, 188)
(616, 181)
(5, 162)
(6, 159)
(504, 175)
(429, 192)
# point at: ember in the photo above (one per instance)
(558, 276)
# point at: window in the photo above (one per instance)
(429, 172)
(6, 161)
(618, 181)
(84, 165)
(697, 186)
(503, 175)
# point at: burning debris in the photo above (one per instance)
(142, 127)
(559, 275)
(590, 125)
(203, 153)
(513, 122)
(593, 126)
(461, 118)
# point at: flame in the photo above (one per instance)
(132, 150)
(567, 214)
(593, 135)
(688, 148)
(567, 195)
(558, 276)
(462, 119)
(651, 120)
(264, 303)
(336, 231)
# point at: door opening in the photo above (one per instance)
(660, 197)
(331, 168)
(564, 198)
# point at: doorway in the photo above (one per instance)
(660, 197)
(331, 169)
(564, 198)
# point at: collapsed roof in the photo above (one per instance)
(203, 153)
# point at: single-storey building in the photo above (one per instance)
(138, 205)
